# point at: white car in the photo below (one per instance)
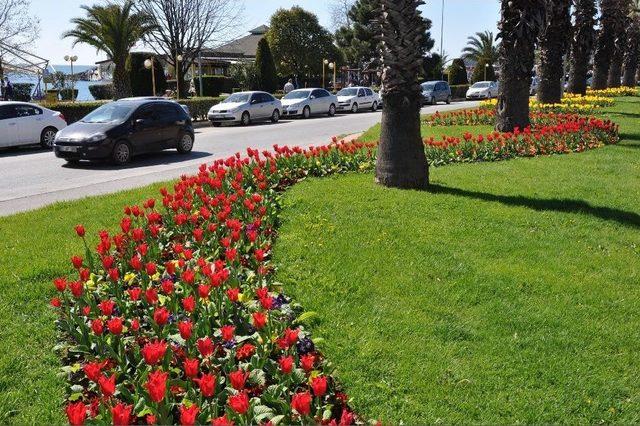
(356, 99)
(483, 90)
(23, 123)
(246, 107)
(306, 102)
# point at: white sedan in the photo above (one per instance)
(22, 123)
(245, 108)
(483, 90)
(356, 99)
(306, 102)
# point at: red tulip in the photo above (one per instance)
(93, 370)
(189, 304)
(107, 385)
(188, 416)
(191, 367)
(259, 320)
(286, 364)
(56, 302)
(151, 295)
(60, 284)
(186, 329)
(301, 402)
(134, 293)
(307, 362)
(239, 403)
(154, 352)
(80, 230)
(227, 332)
(347, 418)
(76, 413)
(233, 294)
(106, 307)
(207, 385)
(157, 385)
(222, 421)
(121, 414)
(76, 261)
(205, 346)
(161, 316)
(97, 326)
(319, 386)
(115, 325)
(245, 351)
(77, 288)
(167, 286)
(238, 379)
(151, 268)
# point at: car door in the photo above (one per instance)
(169, 123)
(30, 124)
(8, 126)
(147, 133)
(363, 101)
(270, 104)
(371, 96)
(316, 102)
(257, 106)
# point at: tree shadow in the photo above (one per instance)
(622, 217)
(625, 114)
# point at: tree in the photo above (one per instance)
(339, 11)
(113, 29)
(632, 52)
(246, 75)
(520, 25)
(610, 22)
(553, 44)
(299, 43)
(266, 68)
(615, 69)
(184, 27)
(17, 29)
(458, 73)
(481, 47)
(482, 72)
(582, 43)
(432, 67)
(401, 159)
(140, 76)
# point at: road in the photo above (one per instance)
(33, 178)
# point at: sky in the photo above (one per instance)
(462, 19)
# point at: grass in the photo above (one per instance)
(507, 294)
(373, 134)
(484, 301)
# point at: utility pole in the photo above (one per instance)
(200, 52)
(442, 32)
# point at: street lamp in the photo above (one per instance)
(332, 66)
(325, 62)
(486, 67)
(72, 59)
(150, 65)
(178, 60)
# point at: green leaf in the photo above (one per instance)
(308, 318)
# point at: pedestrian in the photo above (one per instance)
(8, 90)
(289, 87)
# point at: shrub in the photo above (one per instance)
(479, 74)
(458, 73)
(22, 91)
(214, 85)
(101, 91)
(141, 81)
(199, 107)
(73, 111)
(459, 91)
(65, 94)
(245, 76)
(266, 67)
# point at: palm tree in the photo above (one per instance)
(631, 55)
(481, 47)
(113, 29)
(582, 45)
(554, 40)
(615, 69)
(520, 25)
(610, 22)
(401, 159)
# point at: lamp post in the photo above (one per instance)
(442, 32)
(332, 66)
(178, 60)
(150, 65)
(71, 60)
(325, 62)
(486, 67)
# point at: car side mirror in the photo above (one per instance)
(312, 97)
(254, 101)
(140, 122)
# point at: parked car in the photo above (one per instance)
(122, 129)
(307, 102)
(23, 123)
(483, 90)
(245, 108)
(535, 82)
(436, 91)
(356, 99)
(158, 98)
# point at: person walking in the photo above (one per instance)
(289, 87)
(8, 90)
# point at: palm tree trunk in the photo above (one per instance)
(605, 45)
(631, 55)
(517, 60)
(401, 159)
(554, 40)
(615, 70)
(582, 45)
(121, 80)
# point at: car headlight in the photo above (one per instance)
(98, 137)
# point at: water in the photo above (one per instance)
(82, 86)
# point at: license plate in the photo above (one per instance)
(217, 116)
(69, 149)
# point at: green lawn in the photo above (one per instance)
(489, 299)
(373, 134)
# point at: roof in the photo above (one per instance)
(243, 47)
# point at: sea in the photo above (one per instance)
(82, 86)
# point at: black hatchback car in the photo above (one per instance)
(119, 130)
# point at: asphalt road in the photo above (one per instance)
(31, 178)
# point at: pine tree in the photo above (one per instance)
(266, 68)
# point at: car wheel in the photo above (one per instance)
(185, 144)
(332, 110)
(216, 124)
(354, 108)
(121, 153)
(47, 137)
(275, 117)
(246, 119)
(72, 162)
(306, 112)
(374, 107)
(448, 100)
(433, 101)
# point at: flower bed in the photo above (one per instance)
(570, 104)
(614, 92)
(177, 317)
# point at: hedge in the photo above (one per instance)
(101, 91)
(459, 91)
(22, 91)
(199, 107)
(65, 94)
(214, 85)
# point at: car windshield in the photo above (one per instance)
(482, 85)
(237, 98)
(428, 86)
(110, 113)
(348, 92)
(302, 94)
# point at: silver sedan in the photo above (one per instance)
(306, 102)
(245, 108)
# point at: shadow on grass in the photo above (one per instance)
(622, 217)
